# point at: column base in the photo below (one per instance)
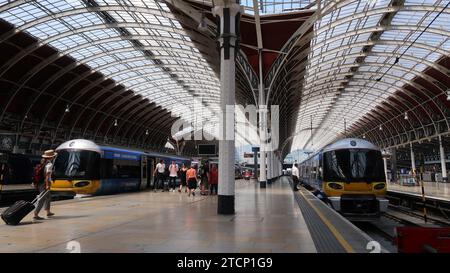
(225, 204)
(262, 184)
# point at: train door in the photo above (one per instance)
(144, 172)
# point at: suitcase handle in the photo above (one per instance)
(40, 196)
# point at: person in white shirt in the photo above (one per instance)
(295, 176)
(173, 174)
(159, 174)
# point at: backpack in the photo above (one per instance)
(39, 176)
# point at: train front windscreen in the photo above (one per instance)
(77, 164)
(353, 165)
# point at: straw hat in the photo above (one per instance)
(49, 154)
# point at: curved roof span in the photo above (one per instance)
(376, 69)
(112, 71)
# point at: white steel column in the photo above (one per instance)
(270, 166)
(385, 168)
(394, 177)
(262, 137)
(274, 168)
(413, 160)
(261, 101)
(280, 167)
(443, 165)
(228, 11)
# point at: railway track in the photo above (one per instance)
(384, 229)
(395, 213)
(414, 203)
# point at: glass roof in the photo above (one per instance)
(344, 80)
(138, 43)
(268, 7)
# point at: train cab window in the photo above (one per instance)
(77, 164)
(353, 165)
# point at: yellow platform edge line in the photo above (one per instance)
(332, 228)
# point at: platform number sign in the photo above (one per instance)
(74, 247)
(373, 247)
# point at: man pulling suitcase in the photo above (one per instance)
(44, 185)
(14, 214)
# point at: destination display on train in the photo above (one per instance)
(116, 155)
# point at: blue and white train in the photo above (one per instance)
(83, 167)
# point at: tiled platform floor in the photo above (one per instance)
(266, 220)
(433, 189)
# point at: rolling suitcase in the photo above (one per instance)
(14, 214)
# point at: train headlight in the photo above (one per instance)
(379, 186)
(82, 184)
(335, 186)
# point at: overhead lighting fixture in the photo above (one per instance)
(381, 128)
(406, 115)
(115, 123)
(67, 109)
(146, 132)
(448, 94)
(364, 136)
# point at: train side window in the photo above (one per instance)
(128, 168)
(108, 168)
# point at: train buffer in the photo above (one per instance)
(423, 239)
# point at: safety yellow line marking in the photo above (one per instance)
(333, 229)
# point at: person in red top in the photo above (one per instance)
(192, 179)
(213, 179)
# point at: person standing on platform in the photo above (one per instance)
(183, 179)
(44, 184)
(295, 176)
(158, 173)
(173, 174)
(204, 177)
(192, 179)
(213, 179)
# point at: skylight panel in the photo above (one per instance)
(47, 29)
(22, 14)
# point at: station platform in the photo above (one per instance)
(10, 193)
(432, 189)
(267, 220)
(18, 187)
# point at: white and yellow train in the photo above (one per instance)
(351, 173)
